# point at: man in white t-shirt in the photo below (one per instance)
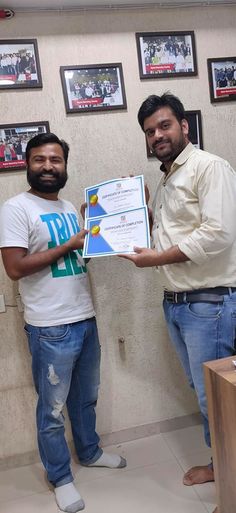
(41, 247)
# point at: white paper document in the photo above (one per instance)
(116, 217)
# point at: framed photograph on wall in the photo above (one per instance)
(93, 87)
(195, 130)
(222, 79)
(19, 64)
(166, 54)
(13, 142)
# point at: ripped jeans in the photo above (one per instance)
(66, 370)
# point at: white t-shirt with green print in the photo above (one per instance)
(59, 294)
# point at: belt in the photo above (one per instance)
(210, 295)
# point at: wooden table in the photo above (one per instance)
(220, 379)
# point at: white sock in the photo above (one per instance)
(110, 461)
(68, 498)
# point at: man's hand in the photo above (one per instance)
(77, 241)
(143, 257)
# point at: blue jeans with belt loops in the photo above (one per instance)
(201, 332)
(66, 370)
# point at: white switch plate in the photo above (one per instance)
(2, 304)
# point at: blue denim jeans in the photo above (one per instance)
(201, 332)
(66, 370)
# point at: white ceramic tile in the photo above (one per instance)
(156, 488)
(183, 441)
(38, 503)
(138, 453)
(22, 481)
(151, 483)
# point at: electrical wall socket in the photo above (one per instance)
(2, 304)
(19, 303)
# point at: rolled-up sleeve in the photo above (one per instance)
(216, 190)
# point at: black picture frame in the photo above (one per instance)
(166, 54)
(194, 119)
(13, 140)
(222, 79)
(19, 64)
(93, 87)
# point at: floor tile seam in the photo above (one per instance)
(201, 499)
(22, 497)
(192, 451)
(124, 471)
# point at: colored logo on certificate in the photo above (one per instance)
(93, 199)
(95, 230)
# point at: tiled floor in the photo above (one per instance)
(151, 482)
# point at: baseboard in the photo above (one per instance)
(117, 437)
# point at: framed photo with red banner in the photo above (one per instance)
(19, 64)
(222, 79)
(93, 87)
(13, 142)
(194, 119)
(166, 54)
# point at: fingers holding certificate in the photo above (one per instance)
(116, 218)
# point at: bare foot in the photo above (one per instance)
(199, 475)
(216, 510)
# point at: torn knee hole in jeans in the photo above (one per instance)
(57, 409)
(52, 376)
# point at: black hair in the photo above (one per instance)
(154, 103)
(46, 138)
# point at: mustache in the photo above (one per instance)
(158, 143)
(45, 172)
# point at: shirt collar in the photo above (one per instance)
(180, 160)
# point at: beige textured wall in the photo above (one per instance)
(141, 381)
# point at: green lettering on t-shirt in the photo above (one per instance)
(71, 264)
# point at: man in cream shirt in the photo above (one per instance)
(194, 247)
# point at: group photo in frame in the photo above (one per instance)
(93, 87)
(19, 64)
(194, 119)
(13, 142)
(222, 79)
(166, 54)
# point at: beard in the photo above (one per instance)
(38, 182)
(171, 149)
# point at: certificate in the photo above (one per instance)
(117, 233)
(115, 196)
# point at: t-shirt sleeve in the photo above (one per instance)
(14, 229)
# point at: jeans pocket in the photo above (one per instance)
(205, 310)
(54, 333)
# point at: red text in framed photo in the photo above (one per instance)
(222, 79)
(93, 87)
(19, 64)
(166, 54)
(195, 131)
(13, 142)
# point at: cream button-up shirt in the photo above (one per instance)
(195, 208)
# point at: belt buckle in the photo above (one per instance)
(172, 297)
